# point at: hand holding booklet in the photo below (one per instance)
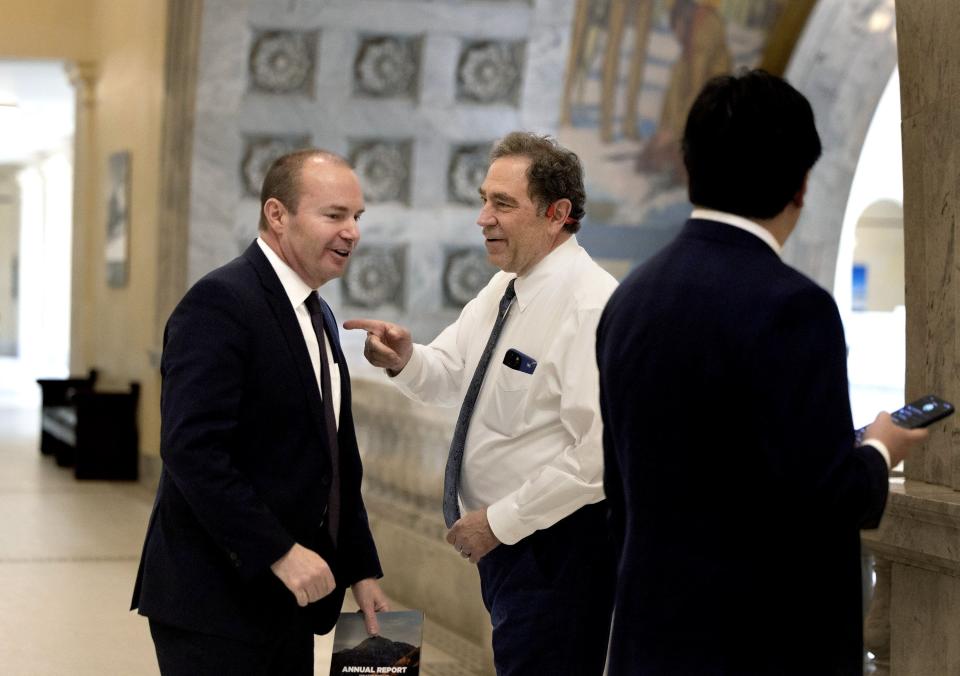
(396, 650)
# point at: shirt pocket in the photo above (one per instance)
(509, 399)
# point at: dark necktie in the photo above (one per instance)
(329, 419)
(451, 477)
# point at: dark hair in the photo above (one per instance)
(749, 142)
(282, 181)
(554, 173)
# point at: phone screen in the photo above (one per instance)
(920, 413)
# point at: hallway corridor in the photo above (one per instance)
(68, 558)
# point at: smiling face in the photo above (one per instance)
(317, 238)
(516, 236)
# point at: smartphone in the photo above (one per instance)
(518, 361)
(920, 413)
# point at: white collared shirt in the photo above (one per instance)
(764, 234)
(740, 222)
(297, 291)
(534, 449)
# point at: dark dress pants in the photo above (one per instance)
(188, 653)
(550, 597)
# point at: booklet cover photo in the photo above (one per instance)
(396, 650)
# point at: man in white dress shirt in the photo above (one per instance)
(525, 467)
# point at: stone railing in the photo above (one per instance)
(404, 448)
(915, 613)
(876, 626)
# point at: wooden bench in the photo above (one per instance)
(93, 431)
(58, 414)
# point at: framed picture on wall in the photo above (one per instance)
(118, 219)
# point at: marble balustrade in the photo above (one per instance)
(404, 449)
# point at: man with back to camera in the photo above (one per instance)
(522, 493)
(258, 525)
(736, 491)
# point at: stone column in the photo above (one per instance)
(83, 77)
(920, 534)
(180, 84)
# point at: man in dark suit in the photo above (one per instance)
(736, 490)
(258, 525)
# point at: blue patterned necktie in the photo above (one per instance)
(451, 477)
(329, 417)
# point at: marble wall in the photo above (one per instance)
(413, 93)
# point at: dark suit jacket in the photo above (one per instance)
(246, 467)
(735, 489)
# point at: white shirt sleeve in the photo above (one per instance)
(574, 476)
(434, 375)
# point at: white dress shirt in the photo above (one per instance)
(740, 222)
(762, 233)
(297, 291)
(534, 449)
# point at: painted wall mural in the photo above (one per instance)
(634, 69)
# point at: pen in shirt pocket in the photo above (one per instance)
(518, 361)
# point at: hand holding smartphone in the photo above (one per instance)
(920, 413)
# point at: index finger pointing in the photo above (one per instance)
(369, 325)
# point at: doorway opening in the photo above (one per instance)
(37, 117)
(869, 285)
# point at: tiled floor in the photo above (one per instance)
(68, 558)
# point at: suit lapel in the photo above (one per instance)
(284, 313)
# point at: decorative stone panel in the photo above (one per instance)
(401, 92)
(282, 62)
(490, 72)
(383, 167)
(468, 168)
(387, 66)
(259, 153)
(465, 272)
(376, 276)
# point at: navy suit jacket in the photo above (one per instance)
(735, 490)
(246, 464)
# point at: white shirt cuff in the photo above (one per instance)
(503, 522)
(880, 446)
(410, 371)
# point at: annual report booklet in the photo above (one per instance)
(395, 650)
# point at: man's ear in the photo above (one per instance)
(558, 213)
(273, 212)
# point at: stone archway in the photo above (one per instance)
(842, 64)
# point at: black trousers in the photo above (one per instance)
(550, 597)
(181, 652)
